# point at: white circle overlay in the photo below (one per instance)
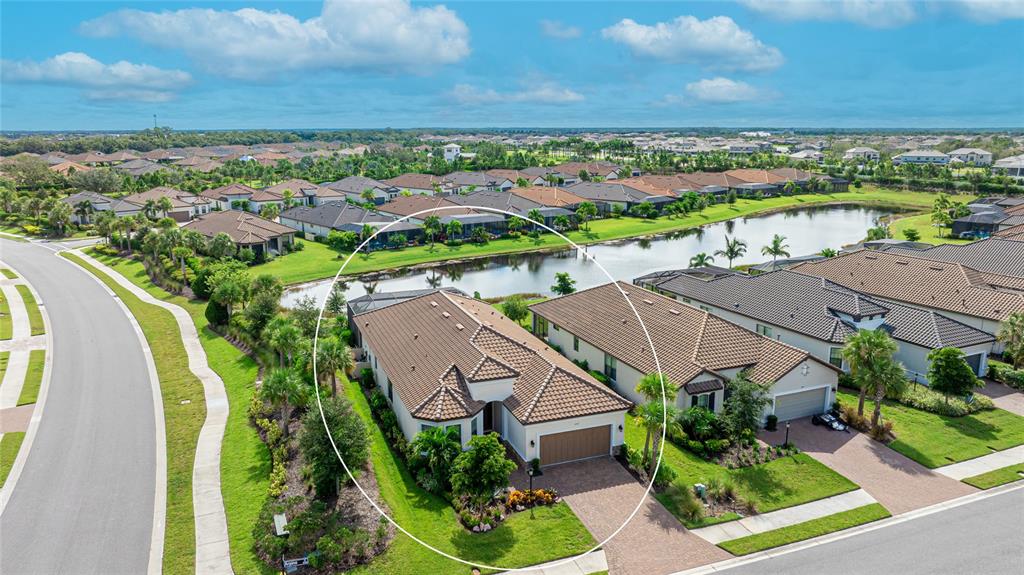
(657, 364)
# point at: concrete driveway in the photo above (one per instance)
(896, 481)
(603, 494)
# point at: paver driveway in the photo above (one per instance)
(896, 481)
(603, 494)
(1005, 397)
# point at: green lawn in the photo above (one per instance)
(9, 446)
(923, 224)
(6, 327)
(936, 440)
(317, 261)
(781, 483)
(182, 421)
(35, 317)
(806, 530)
(5, 356)
(518, 542)
(245, 460)
(33, 377)
(997, 477)
(9, 273)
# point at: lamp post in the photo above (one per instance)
(529, 472)
(787, 435)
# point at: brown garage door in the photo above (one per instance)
(573, 445)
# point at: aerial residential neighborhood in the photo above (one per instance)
(418, 288)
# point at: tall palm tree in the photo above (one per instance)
(432, 227)
(734, 248)
(165, 206)
(869, 353)
(1011, 333)
(284, 390)
(150, 208)
(777, 248)
(82, 210)
(700, 260)
(654, 416)
(284, 338)
(650, 386)
(439, 446)
(536, 216)
(332, 355)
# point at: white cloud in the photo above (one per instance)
(884, 13)
(721, 90)
(541, 93)
(118, 81)
(556, 29)
(717, 42)
(381, 35)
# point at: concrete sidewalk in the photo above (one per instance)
(784, 517)
(213, 555)
(983, 464)
(591, 563)
(18, 345)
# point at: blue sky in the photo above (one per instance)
(389, 63)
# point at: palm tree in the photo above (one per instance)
(284, 390)
(106, 224)
(270, 211)
(367, 195)
(60, 217)
(734, 248)
(182, 253)
(454, 229)
(777, 248)
(700, 260)
(432, 227)
(164, 205)
(655, 416)
(439, 446)
(221, 246)
(366, 232)
(82, 210)
(536, 216)
(287, 198)
(284, 338)
(562, 222)
(650, 386)
(869, 354)
(828, 253)
(1011, 333)
(332, 355)
(515, 224)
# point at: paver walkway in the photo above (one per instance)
(213, 555)
(603, 494)
(24, 343)
(896, 481)
(16, 418)
(784, 517)
(983, 464)
(591, 563)
(1004, 396)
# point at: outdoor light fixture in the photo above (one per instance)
(787, 435)
(620, 427)
(533, 443)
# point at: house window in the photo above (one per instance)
(474, 426)
(424, 427)
(610, 365)
(542, 326)
(390, 396)
(705, 400)
(835, 356)
(765, 330)
(704, 307)
(554, 326)
(458, 427)
(575, 343)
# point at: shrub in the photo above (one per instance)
(923, 398)
(685, 503)
(1004, 373)
(350, 437)
(665, 476)
(882, 431)
(367, 380)
(216, 313)
(200, 283)
(853, 419)
(771, 423)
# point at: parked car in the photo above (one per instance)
(830, 421)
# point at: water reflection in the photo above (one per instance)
(807, 231)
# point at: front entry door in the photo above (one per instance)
(488, 419)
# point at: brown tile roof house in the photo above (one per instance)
(446, 358)
(414, 181)
(646, 187)
(229, 193)
(698, 180)
(600, 169)
(756, 176)
(179, 199)
(304, 188)
(245, 229)
(550, 196)
(689, 342)
(408, 205)
(1015, 233)
(68, 167)
(932, 284)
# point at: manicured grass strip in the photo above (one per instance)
(936, 440)
(806, 530)
(997, 477)
(9, 446)
(182, 421)
(6, 327)
(5, 356)
(244, 459)
(35, 317)
(518, 542)
(775, 485)
(9, 273)
(12, 238)
(922, 223)
(33, 377)
(317, 261)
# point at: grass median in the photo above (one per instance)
(519, 541)
(317, 261)
(997, 477)
(6, 327)
(33, 377)
(806, 530)
(9, 273)
(245, 460)
(35, 317)
(9, 446)
(5, 356)
(182, 420)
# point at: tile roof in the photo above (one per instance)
(356, 185)
(1014, 233)
(933, 284)
(550, 196)
(415, 181)
(408, 205)
(594, 168)
(996, 255)
(688, 341)
(335, 214)
(179, 199)
(228, 190)
(753, 176)
(436, 346)
(243, 227)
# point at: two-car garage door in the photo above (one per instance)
(800, 404)
(573, 445)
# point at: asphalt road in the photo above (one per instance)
(984, 537)
(84, 501)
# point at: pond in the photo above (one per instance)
(807, 230)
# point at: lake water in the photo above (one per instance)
(807, 230)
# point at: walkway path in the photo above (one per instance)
(595, 562)
(784, 517)
(983, 464)
(213, 554)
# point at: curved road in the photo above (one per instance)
(84, 500)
